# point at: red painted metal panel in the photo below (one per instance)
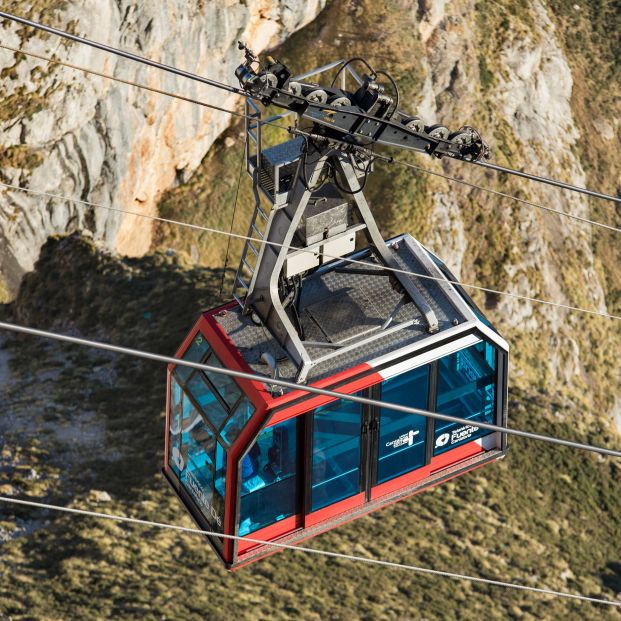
(334, 510)
(397, 483)
(230, 357)
(453, 456)
(314, 402)
(437, 463)
(323, 383)
(269, 533)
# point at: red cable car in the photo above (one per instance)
(386, 321)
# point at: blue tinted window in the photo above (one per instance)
(466, 388)
(209, 403)
(201, 464)
(194, 353)
(239, 418)
(401, 445)
(269, 478)
(336, 453)
(225, 385)
(220, 481)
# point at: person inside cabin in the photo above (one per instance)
(251, 479)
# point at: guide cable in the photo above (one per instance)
(281, 127)
(238, 91)
(366, 264)
(271, 381)
(306, 550)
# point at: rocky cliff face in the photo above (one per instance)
(529, 75)
(529, 111)
(77, 135)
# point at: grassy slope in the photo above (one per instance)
(531, 518)
(541, 512)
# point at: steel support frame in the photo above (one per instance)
(263, 297)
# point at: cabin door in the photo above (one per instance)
(397, 441)
(355, 448)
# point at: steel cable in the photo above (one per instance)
(245, 116)
(232, 89)
(559, 212)
(270, 381)
(366, 264)
(306, 550)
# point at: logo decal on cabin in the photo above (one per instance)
(404, 438)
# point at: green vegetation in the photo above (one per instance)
(77, 423)
(20, 156)
(532, 518)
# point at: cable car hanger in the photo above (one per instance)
(391, 160)
(422, 375)
(267, 85)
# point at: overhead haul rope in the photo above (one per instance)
(232, 89)
(558, 184)
(269, 381)
(108, 76)
(366, 264)
(118, 52)
(505, 195)
(254, 119)
(306, 550)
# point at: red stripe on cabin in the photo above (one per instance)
(334, 509)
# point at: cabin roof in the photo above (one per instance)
(344, 307)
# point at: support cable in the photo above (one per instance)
(107, 76)
(389, 160)
(270, 381)
(306, 550)
(118, 52)
(365, 264)
(557, 184)
(239, 91)
(503, 195)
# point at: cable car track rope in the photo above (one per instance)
(238, 91)
(311, 389)
(318, 552)
(108, 76)
(366, 264)
(269, 381)
(559, 212)
(281, 127)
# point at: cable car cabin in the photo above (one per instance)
(251, 460)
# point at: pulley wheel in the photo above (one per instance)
(269, 79)
(338, 102)
(415, 123)
(317, 96)
(295, 88)
(461, 137)
(439, 132)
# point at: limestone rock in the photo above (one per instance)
(93, 139)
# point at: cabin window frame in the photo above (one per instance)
(305, 424)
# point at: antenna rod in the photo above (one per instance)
(117, 52)
(558, 184)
